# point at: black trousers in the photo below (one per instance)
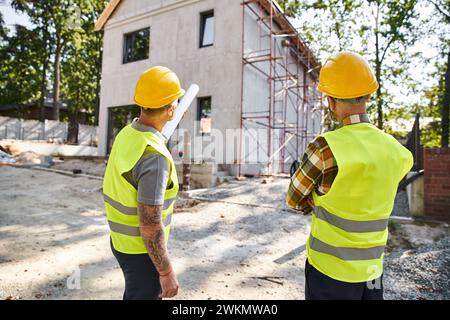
(321, 287)
(141, 276)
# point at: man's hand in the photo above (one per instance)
(169, 285)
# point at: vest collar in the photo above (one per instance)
(356, 118)
(144, 128)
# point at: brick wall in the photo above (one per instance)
(437, 183)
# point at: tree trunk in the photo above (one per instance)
(378, 74)
(446, 106)
(44, 76)
(73, 128)
(57, 78)
(97, 85)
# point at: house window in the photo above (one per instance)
(136, 45)
(204, 114)
(118, 118)
(206, 29)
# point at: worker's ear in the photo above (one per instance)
(171, 111)
(331, 103)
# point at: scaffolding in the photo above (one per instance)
(290, 70)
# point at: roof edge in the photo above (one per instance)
(106, 14)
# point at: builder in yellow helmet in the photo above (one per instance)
(348, 178)
(140, 186)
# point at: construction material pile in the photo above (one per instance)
(6, 158)
(28, 158)
(420, 272)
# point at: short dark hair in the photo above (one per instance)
(352, 100)
(155, 112)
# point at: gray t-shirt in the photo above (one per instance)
(150, 175)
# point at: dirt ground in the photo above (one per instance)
(236, 241)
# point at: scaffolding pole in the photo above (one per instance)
(279, 58)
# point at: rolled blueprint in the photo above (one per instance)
(184, 104)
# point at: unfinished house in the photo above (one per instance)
(258, 105)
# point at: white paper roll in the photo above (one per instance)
(184, 104)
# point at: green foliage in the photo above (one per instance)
(290, 7)
(20, 68)
(81, 67)
(385, 31)
(431, 135)
(61, 46)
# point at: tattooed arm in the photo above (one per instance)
(152, 232)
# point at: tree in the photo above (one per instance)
(58, 23)
(72, 50)
(392, 28)
(327, 25)
(82, 64)
(443, 9)
(20, 68)
(40, 18)
(381, 30)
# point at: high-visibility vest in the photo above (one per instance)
(120, 197)
(349, 223)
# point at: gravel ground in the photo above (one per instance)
(419, 274)
(401, 207)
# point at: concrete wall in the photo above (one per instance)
(13, 128)
(415, 192)
(174, 42)
(49, 149)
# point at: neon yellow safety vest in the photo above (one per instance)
(349, 223)
(120, 196)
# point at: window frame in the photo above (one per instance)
(203, 17)
(124, 47)
(199, 113)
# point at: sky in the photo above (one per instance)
(11, 17)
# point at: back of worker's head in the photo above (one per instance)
(348, 81)
(165, 113)
(157, 92)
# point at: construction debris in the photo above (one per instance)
(6, 158)
(28, 158)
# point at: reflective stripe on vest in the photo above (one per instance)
(346, 253)
(132, 211)
(133, 231)
(350, 225)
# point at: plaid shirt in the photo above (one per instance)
(317, 170)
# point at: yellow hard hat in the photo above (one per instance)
(157, 87)
(347, 75)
